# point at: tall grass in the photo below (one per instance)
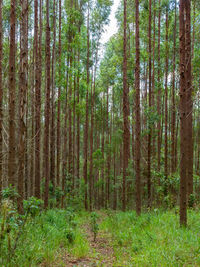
(44, 237)
(154, 239)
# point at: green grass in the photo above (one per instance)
(153, 239)
(44, 238)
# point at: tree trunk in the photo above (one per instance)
(189, 98)
(86, 116)
(1, 99)
(52, 139)
(12, 96)
(166, 103)
(59, 95)
(149, 126)
(126, 132)
(47, 108)
(78, 122)
(159, 94)
(183, 118)
(23, 82)
(37, 104)
(173, 122)
(137, 101)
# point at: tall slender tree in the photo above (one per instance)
(59, 95)
(149, 126)
(52, 124)
(189, 97)
(159, 93)
(126, 130)
(47, 108)
(23, 82)
(12, 90)
(183, 117)
(166, 98)
(1, 99)
(173, 119)
(137, 102)
(86, 113)
(37, 103)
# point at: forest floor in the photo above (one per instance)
(100, 251)
(65, 238)
(123, 240)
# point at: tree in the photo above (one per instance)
(1, 98)
(173, 120)
(189, 90)
(150, 104)
(52, 124)
(47, 108)
(12, 88)
(183, 117)
(23, 82)
(159, 93)
(137, 101)
(86, 115)
(59, 95)
(37, 103)
(126, 131)
(166, 99)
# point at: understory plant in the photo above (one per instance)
(94, 225)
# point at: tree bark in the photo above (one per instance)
(166, 102)
(12, 89)
(189, 98)
(137, 101)
(126, 130)
(183, 118)
(59, 95)
(37, 104)
(173, 121)
(159, 94)
(86, 116)
(23, 82)
(52, 139)
(1, 99)
(47, 107)
(149, 126)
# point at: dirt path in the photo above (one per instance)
(100, 254)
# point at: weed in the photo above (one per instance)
(94, 224)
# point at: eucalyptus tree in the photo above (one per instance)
(150, 105)
(23, 83)
(166, 96)
(37, 102)
(12, 91)
(58, 141)
(1, 98)
(185, 107)
(173, 115)
(126, 111)
(137, 103)
(47, 107)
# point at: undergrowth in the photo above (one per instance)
(154, 239)
(43, 239)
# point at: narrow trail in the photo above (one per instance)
(100, 253)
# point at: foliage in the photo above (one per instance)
(42, 236)
(33, 206)
(191, 200)
(10, 192)
(94, 225)
(154, 238)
